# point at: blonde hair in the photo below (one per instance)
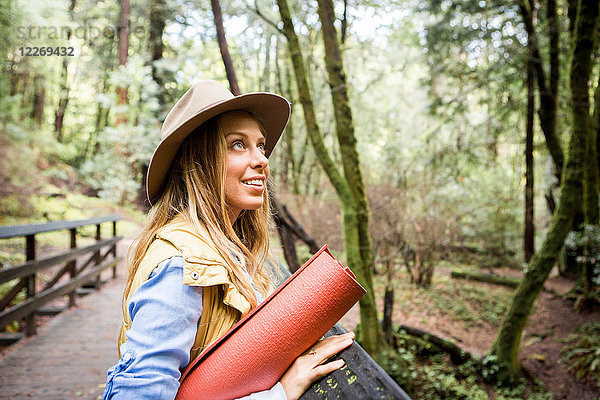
(195, 189)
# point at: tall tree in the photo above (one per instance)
(39, 99)
(529, 236)
(159, 13)
(123, 52)
(548, 91)
(63, 101)
(506, 344)
(371, 337)
(229, 70)
(590, 191)
(357, 222)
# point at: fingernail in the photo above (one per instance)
(340, 363)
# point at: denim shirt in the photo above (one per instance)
(165, 314)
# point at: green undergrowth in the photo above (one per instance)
(581, 352)
(426, 372)
(465, 301)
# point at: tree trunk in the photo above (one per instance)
(590, 193)
(39, 99)
(285, 235)
(25, 92)
(292, 166)
(506, 345)
(123, 50)
(348, 148)
(63, 101)
(388, 299)
(572, 13)
(528, 243)
(371, 337)
(483, 277)
(59, 116)
(266, 77)
(229, 70)
(596, 121)
(158, 15)
(590, 182)
(548, 98)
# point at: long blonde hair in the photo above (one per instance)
(195, 189)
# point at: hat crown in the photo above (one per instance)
(201, 95)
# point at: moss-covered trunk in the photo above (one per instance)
(506, 345)
(350, 161)
(370, 330)
(591, 172)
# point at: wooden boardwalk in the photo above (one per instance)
(69, 356)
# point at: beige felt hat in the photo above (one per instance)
(204, 100)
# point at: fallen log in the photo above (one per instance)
(457, 355)
(489, 278)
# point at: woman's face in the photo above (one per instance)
(247, 165)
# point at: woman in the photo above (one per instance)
(197, 266)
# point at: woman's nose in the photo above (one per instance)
(259, 160)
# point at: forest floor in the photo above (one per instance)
(469, 313)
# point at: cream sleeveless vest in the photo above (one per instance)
(222, 303)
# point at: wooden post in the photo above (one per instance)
(30, 255)
(114, 249)
(73, 266)
(98, 237)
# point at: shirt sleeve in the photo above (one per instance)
(165, 315)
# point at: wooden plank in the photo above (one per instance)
(51, 311)
(56, 277)
(30, 326)
(13, 292)
(93, 258)
(8, 338)
(28, 268)
(25, 230)
(84, 291)
(30, 305)
(72, 265)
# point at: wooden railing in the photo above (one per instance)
(81, 271)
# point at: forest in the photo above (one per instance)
(447, 151)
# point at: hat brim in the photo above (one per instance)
(272, 110)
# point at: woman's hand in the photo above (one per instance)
(309, 367)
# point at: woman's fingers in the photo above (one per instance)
(325, 348)
(309, 366)
(322, 370)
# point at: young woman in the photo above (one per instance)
(197, 266)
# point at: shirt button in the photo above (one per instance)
(195, 275)
(126, 357)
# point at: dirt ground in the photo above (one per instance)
(552, 319)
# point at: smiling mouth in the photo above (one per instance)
(257, 183)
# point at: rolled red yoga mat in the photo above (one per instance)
(254, 354)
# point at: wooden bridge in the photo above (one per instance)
(71, 352)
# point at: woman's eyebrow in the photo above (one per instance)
(244, 134)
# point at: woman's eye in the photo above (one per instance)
(261, 146)
(238, 145)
